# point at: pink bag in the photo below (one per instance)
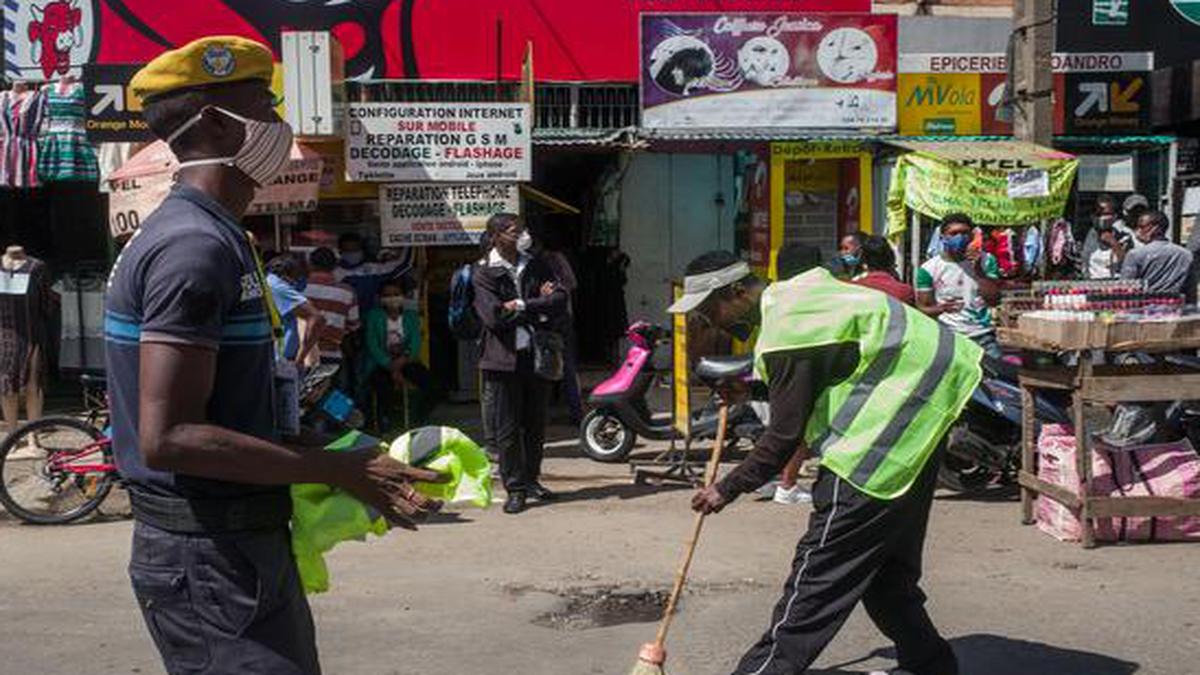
(1164, 470)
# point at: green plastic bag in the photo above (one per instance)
(324, 516)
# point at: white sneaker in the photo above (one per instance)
(768, 491)
(890, 672)
(792, 496)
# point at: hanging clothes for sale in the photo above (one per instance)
(1002, 243)
(26, 304)
(64, 152)
(1033, 248)
(21, 112)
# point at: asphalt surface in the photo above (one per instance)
(483, 592)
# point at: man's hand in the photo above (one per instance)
(386, 484)
(512, 306)
(708, 500)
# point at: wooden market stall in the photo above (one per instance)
(1090, 384)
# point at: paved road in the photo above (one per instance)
(484, 593)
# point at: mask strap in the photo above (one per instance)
(207, 161)
(197, 117)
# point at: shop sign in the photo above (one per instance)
(1169, 28)
(768, 70)
(817, 149)
(442, 214)
(131, 200)
(1118, 102)
(961, 94)
(388, 142)
(939, 104)
(1110, 12)
(937, 186)
(114, 114)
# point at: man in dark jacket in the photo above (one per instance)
(515, 295)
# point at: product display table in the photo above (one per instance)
(1091, 384)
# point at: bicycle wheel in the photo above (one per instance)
(55, 470)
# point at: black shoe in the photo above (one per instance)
(515, 503)
(542, 493)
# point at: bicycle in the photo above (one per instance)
(59, 469)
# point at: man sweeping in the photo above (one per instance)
(869, 386)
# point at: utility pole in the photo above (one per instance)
(1033, 85)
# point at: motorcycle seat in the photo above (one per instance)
(719, 368)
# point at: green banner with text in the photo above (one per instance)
(936, 187)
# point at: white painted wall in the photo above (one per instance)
(669, 215)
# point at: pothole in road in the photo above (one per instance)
(597, 608)
(581, 608)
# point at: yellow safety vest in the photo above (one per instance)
(877, 428)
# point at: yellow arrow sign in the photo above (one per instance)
(1122, 100)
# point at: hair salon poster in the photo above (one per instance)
(768, 70)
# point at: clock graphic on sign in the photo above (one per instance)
(847, 55)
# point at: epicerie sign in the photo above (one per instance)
(459, 142)
(442, 214)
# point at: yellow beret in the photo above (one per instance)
(221, 59)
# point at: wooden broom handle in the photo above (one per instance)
(710, 474)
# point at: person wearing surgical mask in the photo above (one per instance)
(848, 263)
(516, 294)
(959, 287)
(367, 277)
(287, 277)
(397, 384)
(190, 353)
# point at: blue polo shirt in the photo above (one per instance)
(188, 276)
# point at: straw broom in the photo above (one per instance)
(652, 655)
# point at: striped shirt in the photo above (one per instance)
(337, 303)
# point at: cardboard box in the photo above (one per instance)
(1034, 331)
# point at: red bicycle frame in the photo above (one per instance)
(65, 460)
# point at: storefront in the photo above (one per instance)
(821, 190)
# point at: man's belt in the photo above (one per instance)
(212, 516)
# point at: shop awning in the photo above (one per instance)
(596, 138)
(1002, 182)
(998, 153)
(552, 204)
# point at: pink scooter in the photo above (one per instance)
(620, 413)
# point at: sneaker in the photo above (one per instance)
(890, 672)
(792, 496)
(768, 491)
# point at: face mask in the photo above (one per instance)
(264, 150)
(524, 242)
(352, 258)
(392, 303)
(850, 260)
(956, 244)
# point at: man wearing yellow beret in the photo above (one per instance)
(189, 329)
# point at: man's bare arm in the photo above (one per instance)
(175, 384)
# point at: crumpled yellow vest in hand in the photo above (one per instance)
(323, 516)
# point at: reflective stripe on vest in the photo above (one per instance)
(877, 428)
